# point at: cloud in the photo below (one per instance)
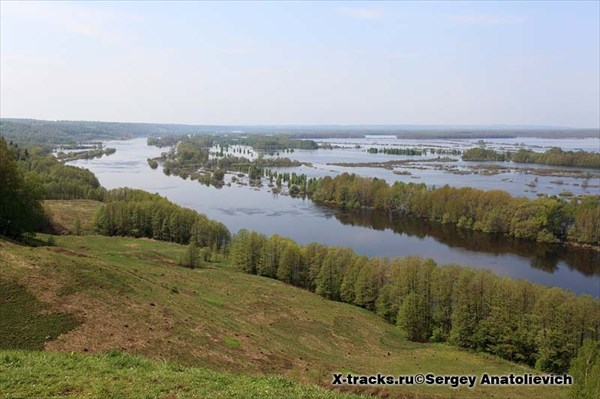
(369, 13)
(485, 19)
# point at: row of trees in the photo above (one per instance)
(474, 309)
(137, 213)
(267, 143)
(483, 154)
(545, 219)
(554, 156)
(98, 152)
(413, 151)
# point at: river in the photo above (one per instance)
(369, 234)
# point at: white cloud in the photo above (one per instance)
(369, 13)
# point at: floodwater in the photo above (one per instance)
(368, 233)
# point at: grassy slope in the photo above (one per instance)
(62, 215)
(118, 375)
(131, 295)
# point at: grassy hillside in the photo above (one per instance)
(63, 216)
(57, 375)
(130, 295)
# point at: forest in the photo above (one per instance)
(20, 195)
(545, 219)
(54, 179)
(473, 309)
(137, 213)
(554, 156)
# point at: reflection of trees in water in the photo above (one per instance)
(542, 256)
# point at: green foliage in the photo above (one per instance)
(558, 157)
(545, 219)
(98, 152)
(134, 279)
(20, 208)
(585, 370)
(59, 181)
(554, 156)
(472, 309)
(137, 213)
(482, 154)
(191, 258)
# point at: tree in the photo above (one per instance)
(77, 227)
(20, 208)
(366, 287)
(191, 257)
(585, 370)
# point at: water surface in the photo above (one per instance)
(370, 234)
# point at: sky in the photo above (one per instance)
(434, 63)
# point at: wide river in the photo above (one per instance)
(369, 234)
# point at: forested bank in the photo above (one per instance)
(137, 213)
(545, 219)
(56, 180)
(554, 156)
(30, 174)
(98, 152)
(474, 309)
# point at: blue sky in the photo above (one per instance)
(446, 62)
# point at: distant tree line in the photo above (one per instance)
(137, 213)
(545, 219)
(164, 141)
(413, 151)
(88, 154)
(266, 143)
(554, 156)
(474, 309)
(483, 154)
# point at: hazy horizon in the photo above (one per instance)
(445, 64)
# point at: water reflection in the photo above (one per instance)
(368, 234)
(545, 257)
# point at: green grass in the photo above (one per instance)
(118, 375)
(26, 322)
(121, 289)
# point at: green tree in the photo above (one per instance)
(20, 208)
(585, 370)
(191, 257)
